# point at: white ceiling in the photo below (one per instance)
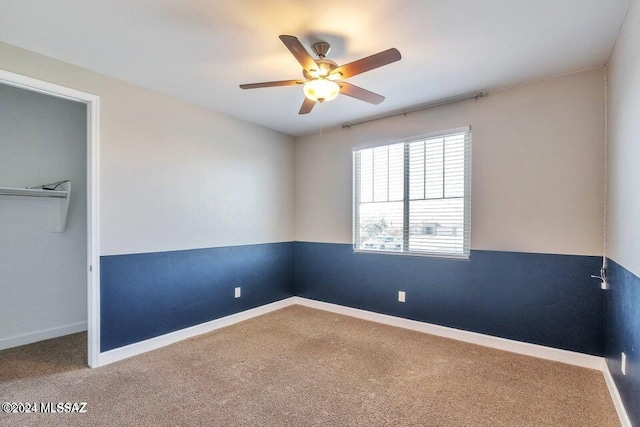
(202, 50)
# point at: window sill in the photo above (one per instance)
(414, 254)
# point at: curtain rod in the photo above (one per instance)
(405, 111)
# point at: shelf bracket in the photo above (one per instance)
(62, 210)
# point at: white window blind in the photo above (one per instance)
(414, 196)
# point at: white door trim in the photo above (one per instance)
(93, 195)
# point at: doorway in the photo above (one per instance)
(52, 216)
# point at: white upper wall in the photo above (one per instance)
(623, 201)
(175, 175)
(537, 175)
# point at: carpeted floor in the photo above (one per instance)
(300, 366)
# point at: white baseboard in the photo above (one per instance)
(549, 353)
(47, 334)
(534, 350)
(625, 421)
(173, 337)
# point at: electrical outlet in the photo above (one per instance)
(237, 292)
(401, 296)
(623, 364)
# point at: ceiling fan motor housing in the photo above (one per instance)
(326, 67)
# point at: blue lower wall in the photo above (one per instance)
(537, 298)
(623, 334)
(146, 295)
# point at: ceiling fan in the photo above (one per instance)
(324, 79)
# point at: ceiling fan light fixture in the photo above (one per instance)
(321, 90)
(320, 75)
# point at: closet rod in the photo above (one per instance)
(32, 192)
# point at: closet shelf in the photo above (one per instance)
(58, 207)
(33, 192)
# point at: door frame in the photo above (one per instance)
(93, 195)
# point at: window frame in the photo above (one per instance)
(466, 253)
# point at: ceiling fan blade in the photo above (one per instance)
(369, 63)
(359, 93)
(301, 54)
(271, 84)
(307, 106)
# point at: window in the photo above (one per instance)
(413, 197)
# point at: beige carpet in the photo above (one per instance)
(300, 366)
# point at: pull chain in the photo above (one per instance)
(321, 119)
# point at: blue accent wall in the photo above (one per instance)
(537, 298)
(146, 295)
(623, 334)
